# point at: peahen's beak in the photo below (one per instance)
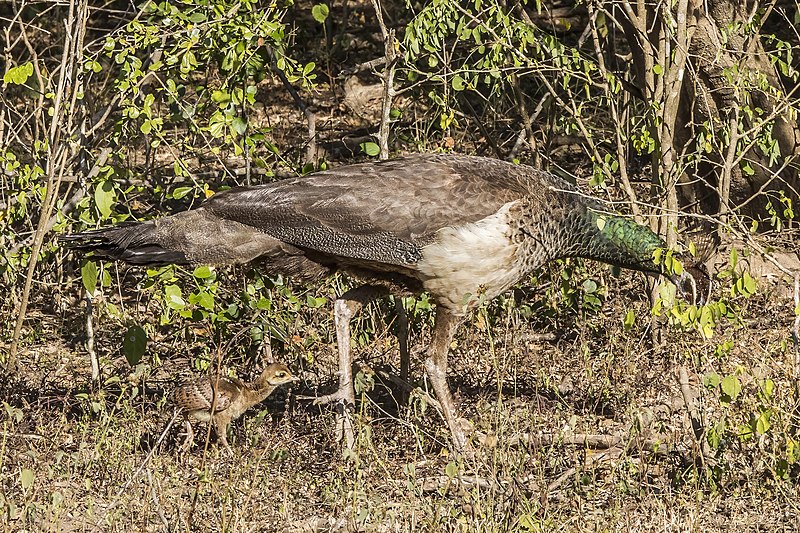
(686, 286)
(693, 284)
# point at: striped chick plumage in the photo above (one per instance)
(219, 400)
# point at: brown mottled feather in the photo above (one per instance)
(326, 213)
(199, 394)
(370, 214)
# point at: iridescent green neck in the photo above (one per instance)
(620, 241)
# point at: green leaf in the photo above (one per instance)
(768, 387)
(104, 197)
(451, 469)
(762, 423)
(731, 387)
(89, 276)
(180, 192)
(173, 297)
(19, 74)
(320, 12)
(313, 302)
(749, 284)
(711, 380)
(188, 62)
(134, 344)
(370, 148)
(202, 298)
(216, 124)
(239, 125)
(26, 478)
(629, 320)
(220, 97)
(206, 300)
(457, 82)
(658, 70)
(202, 272)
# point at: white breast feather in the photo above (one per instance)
(470, 260)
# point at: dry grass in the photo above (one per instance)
(69, 452)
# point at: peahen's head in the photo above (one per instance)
(694, 282)
(622, 242)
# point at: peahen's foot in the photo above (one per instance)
(341, 395)
(345, 403)
(344, 425)
(187, 442)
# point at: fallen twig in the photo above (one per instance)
(658, 445)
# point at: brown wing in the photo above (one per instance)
(379, 211)
(199, 395)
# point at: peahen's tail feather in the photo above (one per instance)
(196, 237)
(133, 242)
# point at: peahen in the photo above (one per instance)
(463, 228)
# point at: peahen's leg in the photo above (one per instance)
(221, 424)
(345, 307)
(187, 442)
(436, 365)
(402, 340)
